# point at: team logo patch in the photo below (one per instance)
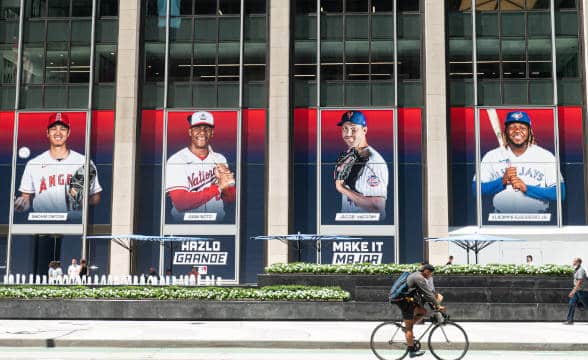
(373, 181)
(517, 116)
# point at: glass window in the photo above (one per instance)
(109, 8)
(81, 8)
(256, 6)
(513, 24)
(105, 67)
(79, 71)
(58, 8)
(356, 6)
(205, 7)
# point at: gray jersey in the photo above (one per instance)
(416, 281)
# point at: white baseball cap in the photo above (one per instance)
(201, 118)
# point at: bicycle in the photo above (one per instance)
(447, 340)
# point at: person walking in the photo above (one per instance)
(578, 296)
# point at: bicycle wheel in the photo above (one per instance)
(448, 341)
(388, 341)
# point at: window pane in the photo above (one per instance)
(205, 30)
(356, 51)
(331, 27)
(512, 5)
(568, 63)
(8, 32)
(108, 7)
(513, 49)
(79, 71)
(7, 97)
(332, 52)
(255, 95)
(81, 8)
(408, 5)
(565, 4)
(305, 27)
(488, 49)
(570, 92)
(56, 67)
(58, 8)
(486, 24)
(229, 29)
(32, 65)
(331, 6)
(409, 59)
(55, 97)
(186, 7)
(34, 31)
(35, 8)
(254, 53)
(57, 30)
(331, 72)
(9, 9)
(180, 95)
(103, 97)
(256, 7)
(539, 24)
(489, 93)
(229, 7)
(539, 49)
(8, 68)
(356, 6)
(541, 92)
(305, 6)
(382, 6)
(382, 52)
(78, 97)
(154, 62)
(228, 95)
(513, 24)
(410, 94)
(106, 31)
(357, 72)
(182, 30)
(383, 93)
(331, 94)
(255, 28)
(357, 94)
(81, 31)
(566, 23)
(538, 4)
(31, 97)
(180, 62)
(382, 27)
(228, 53)
(105, 70)
(204, 95)
(356, 27)
(205, 7)
(254, 73)
(515, 92)
(514, 69)
(459, 24)
(409, 26)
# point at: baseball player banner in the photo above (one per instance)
(518, 168)
(357, 154)
(6, 131)
(50, 169)
(200, 170)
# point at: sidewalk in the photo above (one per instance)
(268, 334)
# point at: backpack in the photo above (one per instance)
(399, 289)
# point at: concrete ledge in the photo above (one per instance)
(64, 309)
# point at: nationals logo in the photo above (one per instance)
(373, 181)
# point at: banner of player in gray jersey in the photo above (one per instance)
(519, 176)
(51, 186)
(356, 174)
(200, 181)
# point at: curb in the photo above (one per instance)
(270, 344)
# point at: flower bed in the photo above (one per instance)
(389, 269)
(268, 293)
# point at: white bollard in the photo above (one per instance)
(96, 280)
(110, 280)
(44, 280)
(37, 279)
(31, 279)
(103, 280)
(219, 280)
(135, 280)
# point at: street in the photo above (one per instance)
(250, 354)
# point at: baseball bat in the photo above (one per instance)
(232, 183)
(495, 123)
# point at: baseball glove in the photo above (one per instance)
(348, 167)
(74, 191)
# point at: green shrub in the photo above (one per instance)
(389, 269)
(268, 293)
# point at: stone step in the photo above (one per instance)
(476, 294)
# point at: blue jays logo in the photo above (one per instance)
(373, 181)
(517, 116)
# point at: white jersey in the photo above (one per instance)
(186, 171)
(46, 178)
(371, 181)
(535, 167)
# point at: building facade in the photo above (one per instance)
(432, 82)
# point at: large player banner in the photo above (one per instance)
(357, 172)
(50, 169)
(200, 177)
(518, 168)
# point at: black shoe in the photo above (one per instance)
(413, 354)
(568, 322)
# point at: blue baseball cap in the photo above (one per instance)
(517, 116)
(354, 116)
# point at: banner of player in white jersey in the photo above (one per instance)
(366, 197)
(518, 169)
(200, 171)
(50, 169)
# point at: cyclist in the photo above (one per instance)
(413, 305)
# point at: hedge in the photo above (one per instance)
(389, 269)
(268, 293)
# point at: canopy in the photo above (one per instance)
(475, 242)
(298, 238)
(119, 238)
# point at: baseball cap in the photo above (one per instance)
(60, 118)
(517, 116)
(201, 118)
(354, 116)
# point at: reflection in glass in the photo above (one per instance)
(79, 71)
(32, 64)
(105, 70)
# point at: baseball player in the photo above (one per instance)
(521, 175)
(47, 177)
(367, 191)
(198, 180)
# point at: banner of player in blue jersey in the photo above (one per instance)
(518, 169)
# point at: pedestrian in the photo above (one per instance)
(578, 296)
(84, 271)
(449, 260)
(74, 269)
(530, 260)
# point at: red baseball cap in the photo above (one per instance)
(60, 118)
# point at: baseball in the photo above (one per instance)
(516, 202)
(24, 152)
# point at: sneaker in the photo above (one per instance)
(568, 323)
(413, 354)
